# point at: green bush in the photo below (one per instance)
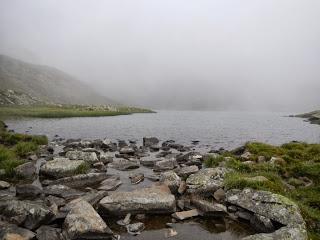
(82, 169)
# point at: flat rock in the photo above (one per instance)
(165, 165)
(83, 222)
(123, 164)
(62, 191)
(156, 199)
(185, 214)
(110, 184)
(148, 161)
(209, 208)
(60, 167)
(206, 180)
(284, 233)
(81, 180)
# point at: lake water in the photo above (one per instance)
(217, 129)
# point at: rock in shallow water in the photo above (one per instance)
(123, 164)
(83, 222)
(60, 167)
(156, 199)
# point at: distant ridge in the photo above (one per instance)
(26, 83)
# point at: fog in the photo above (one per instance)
(176, 54)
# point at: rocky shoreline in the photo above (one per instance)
(72, 188)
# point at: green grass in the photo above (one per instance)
(82, 169)
(213, 161)
(65, 111)
(301, 160)
(14, 148)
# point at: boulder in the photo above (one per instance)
(206, 180)
(49, 233)
(148, 142)
(272, 206)
(26, 213)
(127, 150)
(123, 164)
(4, 185)
(165, 165)
(13, 232)
(83, 222)
(156, 199)
(26, 170)
(28, 191)
(185, 172)
(148, 161)
(78, 181)
(106, 157)
(60, 167)
(171, 179)
(90, 157)
(219, 195)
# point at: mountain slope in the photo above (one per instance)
(45, 83)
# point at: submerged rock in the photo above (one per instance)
(185, 214)
(83, 222)
(206, 180)
(156, 199)
(60, 167)
(135, 228)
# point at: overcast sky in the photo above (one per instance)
(177, 54)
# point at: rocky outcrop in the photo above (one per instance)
(157, 199)
(278, 209)
(83, 222)
(60, 167)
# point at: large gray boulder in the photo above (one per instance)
(26, 213)
(275, 207)
(60, 167)
(165, 165)
(26, 170)
(90, 157)
(206, 180)
(156, 199)
(185, 172)
(83, 222)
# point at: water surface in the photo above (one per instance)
(217, 129)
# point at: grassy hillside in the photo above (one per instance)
(45, 84)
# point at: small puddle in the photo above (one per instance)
(197, 228)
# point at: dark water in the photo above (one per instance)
(218, 129)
